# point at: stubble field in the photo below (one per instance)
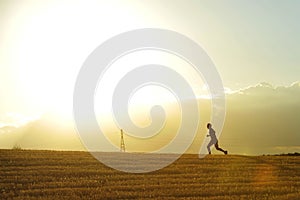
(28, 174)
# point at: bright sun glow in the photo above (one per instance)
(51, 48)
(147, 96)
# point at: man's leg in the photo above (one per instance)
(209, 145)
(220, 149)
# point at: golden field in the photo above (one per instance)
(33, 174)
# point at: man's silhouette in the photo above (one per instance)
(213, 139)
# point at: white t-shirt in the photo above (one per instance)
(212, 134)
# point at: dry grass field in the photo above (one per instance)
(26, 174)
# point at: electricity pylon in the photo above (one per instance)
(122, 145)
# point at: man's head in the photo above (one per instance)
(208, 125)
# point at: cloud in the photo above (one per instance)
(43, 133)
(262, 117)
(13, 119)
(265, 88)
(7, 129)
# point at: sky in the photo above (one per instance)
(44, 44)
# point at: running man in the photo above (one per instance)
(213, 139)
